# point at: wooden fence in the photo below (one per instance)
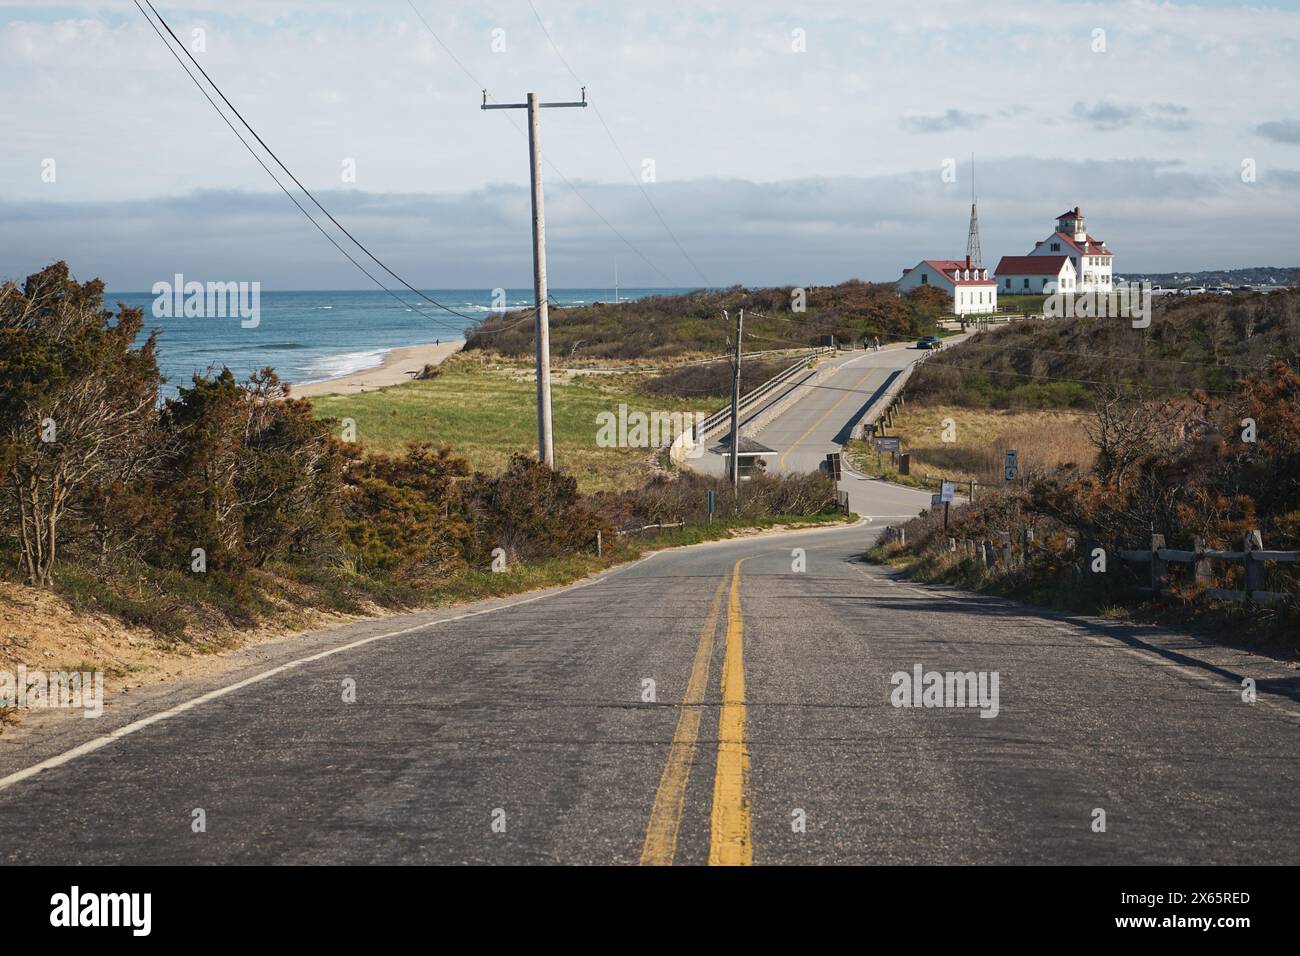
(1253, 556)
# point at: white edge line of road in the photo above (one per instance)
(126, 730)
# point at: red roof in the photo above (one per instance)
(945, 266)
(1090, 247)
(1031, 265)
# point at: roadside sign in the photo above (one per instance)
(1012, 467)
(713, 498)
(891, 443)
(936, 501)
(833, 465)
(905, 463)
(947, 491)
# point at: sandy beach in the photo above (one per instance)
(399, 365)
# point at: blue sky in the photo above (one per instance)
(771, 164)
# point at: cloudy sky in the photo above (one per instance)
(753, 142)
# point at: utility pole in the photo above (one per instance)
(735, 402)
(542, 320)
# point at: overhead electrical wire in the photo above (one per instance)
(621, 155)
(289, 172)
(292, 198)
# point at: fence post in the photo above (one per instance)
(1254, 568)
(1158, 567)
(1201, 569)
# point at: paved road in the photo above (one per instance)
(772, 705)
(822, 420)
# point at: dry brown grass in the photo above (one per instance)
(1042, 439)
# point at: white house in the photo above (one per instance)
(1025, 275)
(1093, 264)
(969, 288)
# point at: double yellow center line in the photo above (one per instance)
(729, 839)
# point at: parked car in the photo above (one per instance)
(929, 342)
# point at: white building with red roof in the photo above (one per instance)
(1093, 263)
(970, 288)
(1031, 275)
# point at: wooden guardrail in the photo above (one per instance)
(1008, 553)
(714, 423)
(1253, 557)
(657, 526)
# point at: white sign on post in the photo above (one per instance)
(1012, 465)
(947, 491)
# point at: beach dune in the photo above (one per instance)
(399, 365)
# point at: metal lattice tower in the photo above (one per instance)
(973, 252)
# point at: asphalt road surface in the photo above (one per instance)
(823, 419)
(525, 731)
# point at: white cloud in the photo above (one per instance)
(710, 90)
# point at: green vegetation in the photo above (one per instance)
(1200, 342)
(1183, 469)
(232, 503)
(660, 327)
(712, 380)
(1024, 304)
(487, 410)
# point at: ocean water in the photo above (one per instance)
(313, 336)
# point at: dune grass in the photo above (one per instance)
(487, 411)
(1041, 439)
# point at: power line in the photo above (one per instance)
(292, 198)
(621, 155)
(289, 172)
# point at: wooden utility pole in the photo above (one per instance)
(735, 402)
(541, 322)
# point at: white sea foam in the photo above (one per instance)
(329, 367)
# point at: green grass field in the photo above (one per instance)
(488, 412)
(1024, 304)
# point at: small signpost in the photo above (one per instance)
(713, 500)
(1012, 465)
(833, 465)
(890, 443)
(946, 492)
